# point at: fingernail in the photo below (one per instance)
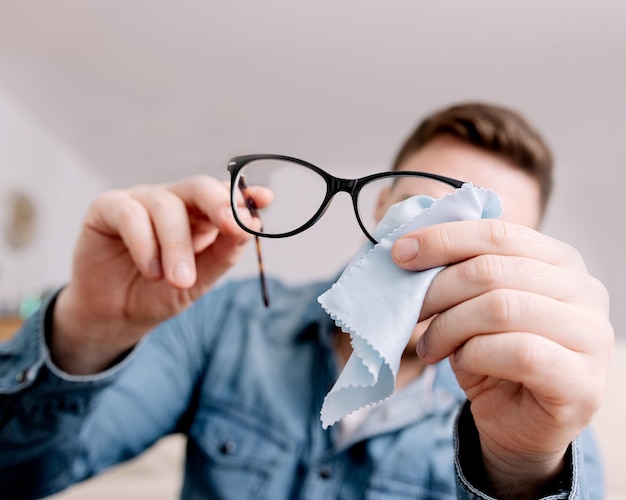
(422, 347)
(406, 249)
(182, 273)
(154, 268)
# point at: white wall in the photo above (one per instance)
(32, 162)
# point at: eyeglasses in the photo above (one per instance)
(303, 192)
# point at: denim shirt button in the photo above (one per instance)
(325, 472)
(228, 448)
(24, 376)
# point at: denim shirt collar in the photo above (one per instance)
(309, 319)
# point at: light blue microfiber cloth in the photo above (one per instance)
(378, 303)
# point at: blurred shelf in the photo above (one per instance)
(8, 326)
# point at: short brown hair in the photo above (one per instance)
(493, 128)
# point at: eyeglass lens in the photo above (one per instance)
(299, 193)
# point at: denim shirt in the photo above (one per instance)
(246, 385)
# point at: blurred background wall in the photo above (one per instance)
(34, 165)
(108, 93)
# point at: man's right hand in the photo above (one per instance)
(143, 255)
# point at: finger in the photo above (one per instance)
(505, 310)
(209, 197)
(116, 213)
(216, 259)
(172, 227)
(262, 196)
(249, 202)
(212, 198)
(484, 273)
(452, 242)
(203, 232)
(539, 364)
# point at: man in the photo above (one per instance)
(523, 325)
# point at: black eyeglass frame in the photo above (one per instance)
(334, 185)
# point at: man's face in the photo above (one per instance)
(519, 193)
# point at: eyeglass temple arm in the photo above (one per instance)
(252, 208)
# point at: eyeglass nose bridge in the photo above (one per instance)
(338, 184)
(350, 186)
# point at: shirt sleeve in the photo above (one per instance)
(582, 477)
(57, 429)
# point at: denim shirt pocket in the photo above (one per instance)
(234, 453)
